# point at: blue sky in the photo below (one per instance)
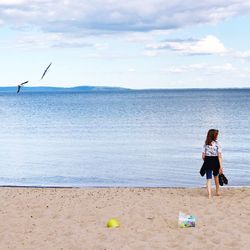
(134, 44)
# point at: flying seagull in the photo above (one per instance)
(45, 71)
(20, 85)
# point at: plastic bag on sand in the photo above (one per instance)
(186, 220)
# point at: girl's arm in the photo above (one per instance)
(203, 156)
(203, 152)
(220, 161)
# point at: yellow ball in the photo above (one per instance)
(182, 225)
(112, 223)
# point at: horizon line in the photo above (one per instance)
(126, 88)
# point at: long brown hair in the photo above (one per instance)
(212, 135)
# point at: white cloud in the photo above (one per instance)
(25, 39)
(144, 37)
(131, 70)
(139, 21)
(116, 16)
(40, 40)
(150, 53)
(207, 45)
(243, 54)
(223, 67)
(201, 67)
(11, 2)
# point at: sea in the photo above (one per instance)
(127, 138)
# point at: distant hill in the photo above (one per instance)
(73, 89)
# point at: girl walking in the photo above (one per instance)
(211, 154)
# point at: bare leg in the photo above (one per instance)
(217, 184)
(209, 188)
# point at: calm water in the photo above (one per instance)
(135, 138)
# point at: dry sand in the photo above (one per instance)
(61, 218)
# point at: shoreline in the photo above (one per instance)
(76, 218)
(112, 187)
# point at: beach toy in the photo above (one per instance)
(186, 220)
(113, 223)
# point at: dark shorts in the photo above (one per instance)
(209, 174)
(212, 166)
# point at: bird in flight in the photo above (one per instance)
(45, 71)
(20, 85)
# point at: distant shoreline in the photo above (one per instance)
(64, 89)
(106, 89)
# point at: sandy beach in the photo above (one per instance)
(75, 218)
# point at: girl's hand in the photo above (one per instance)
(220, 170)
(203, 156)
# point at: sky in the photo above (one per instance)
(133, 44)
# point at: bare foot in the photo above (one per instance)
(217, 194)
(209, 196)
